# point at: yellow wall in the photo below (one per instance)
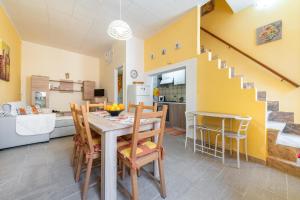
(185, 31)
(10, 91)
(218, 93)
(282, 55)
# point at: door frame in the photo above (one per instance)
(191, 80)
(116, 83)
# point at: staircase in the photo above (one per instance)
(283, 133)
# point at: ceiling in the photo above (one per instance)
(80, 25)
(238, 5)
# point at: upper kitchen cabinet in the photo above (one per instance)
(179, 77)
(167, 78)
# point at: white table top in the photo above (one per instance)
(106, 124)
(217, 115)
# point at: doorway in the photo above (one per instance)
(119, 85)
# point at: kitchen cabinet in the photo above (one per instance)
(179, 77)
(88, 90)
(177, 115)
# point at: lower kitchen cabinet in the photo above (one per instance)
(177, 115)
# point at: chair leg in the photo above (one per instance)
(246, 149)
(202, 143)
(163, 193)
(78, 167)
(87, 179)
(123, 170)
(216, 145)
(238, 152)
(74, 155)
(138, 172)
(134, 186)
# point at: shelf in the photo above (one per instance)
(58, 90)
(66, 81)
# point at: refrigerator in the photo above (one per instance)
(139, 93)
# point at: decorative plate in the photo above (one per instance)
(133, 74)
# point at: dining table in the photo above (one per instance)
(110, 128)
(223, 117)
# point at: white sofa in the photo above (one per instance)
(10, 136)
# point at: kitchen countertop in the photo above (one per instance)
(169, 102)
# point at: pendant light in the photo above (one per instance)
(119, 29)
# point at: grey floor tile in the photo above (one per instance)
(43, 171)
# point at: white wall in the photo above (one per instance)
(107, 78)
(130, 55)
(47, 61)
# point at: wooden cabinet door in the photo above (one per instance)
(88, 90)
(177, 115)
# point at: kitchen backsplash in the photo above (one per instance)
(173, 92)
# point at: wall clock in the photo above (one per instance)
(133, 74)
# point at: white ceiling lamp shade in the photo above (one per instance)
(119, 29)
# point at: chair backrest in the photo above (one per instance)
(141, 135)
(73, 112)
(145, 107)
(244, 124)
(95, 106)
(84, 127)
(189, 118)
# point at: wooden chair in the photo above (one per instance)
(91, 148)
(145, 107)
(142, 151)
(96, 106)
(76, 138)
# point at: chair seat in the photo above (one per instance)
(234, 135)
(143, 148)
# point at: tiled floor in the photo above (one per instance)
(43, 172)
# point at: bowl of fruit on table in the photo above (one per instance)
(115, 109)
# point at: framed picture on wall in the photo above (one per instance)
(269, 33)
(208, 7)
(4, 61)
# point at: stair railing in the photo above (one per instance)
(283, 78)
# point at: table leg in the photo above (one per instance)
(155, 163)
(108, 166)
(195, 133)
(223, 141)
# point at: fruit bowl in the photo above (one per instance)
(115, 109)
(114, 113)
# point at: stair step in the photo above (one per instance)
(284, 165)
(202, 49)
(273, 105)
(292, 128)
(222, 64)
(248, 85)
(286, 117)
(261, 95)
(278, 150)
(289, 140)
